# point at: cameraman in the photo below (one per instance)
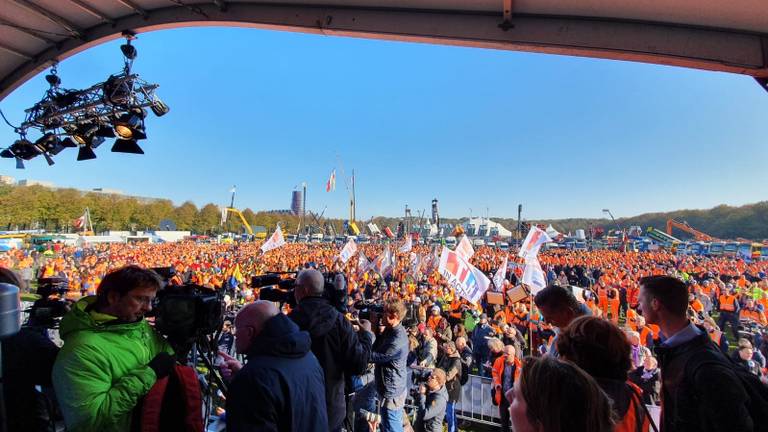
(432, 402)
(111, 356)
(339, 349)
(389, 354)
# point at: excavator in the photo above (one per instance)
(239, 214)
(683, 226)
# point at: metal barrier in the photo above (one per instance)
(475, 404)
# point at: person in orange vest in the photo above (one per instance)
(752, 313)
(715, 334)
(729, 311)
(602, 350)
(645, 331)
(505, 371)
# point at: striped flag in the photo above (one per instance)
(331, 184)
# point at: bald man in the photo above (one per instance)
(338, 347)
(280, 387)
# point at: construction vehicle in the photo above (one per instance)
(664, 239)
(239, 214)
(683, 226)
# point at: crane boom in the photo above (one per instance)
(242, 219)
(683, 226)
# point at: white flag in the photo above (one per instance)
(384, 264)
(275, 241)
(533, 276)
(407, 246)
(464, 248)
(363, 265)
(415, 263)
(223, 215)
(466, 280)
(349, 251)
(500, 275)
(533, 241)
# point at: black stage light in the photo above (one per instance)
(7, 153)
(129, 51)
(24, 149)
(104, 131)
(68, 142)
(83, 134)
(127, 146)
(85, 153)
(130, 125)
(159, 108)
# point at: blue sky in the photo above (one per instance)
(477, 129)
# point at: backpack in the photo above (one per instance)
(174, 403)
(757, 392)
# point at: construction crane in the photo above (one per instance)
(683, 226)
(237, 212)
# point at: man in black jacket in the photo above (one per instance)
(280, 388)
(700, 390)
(339, 349)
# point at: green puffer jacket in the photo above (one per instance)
(101, 372)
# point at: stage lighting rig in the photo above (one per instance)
(115, 108)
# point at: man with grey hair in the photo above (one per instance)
(338, 347)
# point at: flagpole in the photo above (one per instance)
(530, 321)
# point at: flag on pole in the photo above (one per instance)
(407, 246)
(348, 251)
(384, 264)
(363, 265)
(464, 248)
(415, 261)
(465, 279)
(223, 215)
(532, 243)
(234, 188)
(533, 276)
(80, 222)
(500, 275)
(275, 241)
(331, 184)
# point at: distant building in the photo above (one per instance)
(108, 191)
(7, 180)
(27, 182)
(280, 212)
(483, 227)
(297, 203)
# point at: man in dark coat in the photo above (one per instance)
(281, 386)
(339, 349)
(700, 390)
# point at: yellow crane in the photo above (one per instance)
(242, 219)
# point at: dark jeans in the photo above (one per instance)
(731, 318)
(504, 414)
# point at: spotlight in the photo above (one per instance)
(7, 153)
(85, 153)
(104, 131)
(24, 149)
(129, 51)
(68, 143)
(130, 125)
(117, 90)
(83, 133)
(127, 146)
(159, 108)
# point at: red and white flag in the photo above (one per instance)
(80, 222)
(275, 241)
(464, 248)
(349, 251)
(533, 241)
(407, 246)
(500, 276)
(330, 185)
(533, 276)
(465, 279)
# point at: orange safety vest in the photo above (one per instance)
(727, 303)
(498, 369)
(634, 419)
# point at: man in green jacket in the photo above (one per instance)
(111, 356)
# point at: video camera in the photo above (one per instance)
(46, 311)
(183, 313)
(368, 310)
(275, 288)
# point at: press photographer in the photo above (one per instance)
(111, 356)
(338, 347)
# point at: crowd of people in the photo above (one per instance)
(613, 333)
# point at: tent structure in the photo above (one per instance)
(705, 34)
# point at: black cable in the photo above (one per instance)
(15, 128)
